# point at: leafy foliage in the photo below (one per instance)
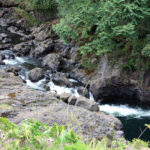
(37, 4)
(32, 134)
(104, 26)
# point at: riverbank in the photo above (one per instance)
(60, 66)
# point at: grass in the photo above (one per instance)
(32, 134)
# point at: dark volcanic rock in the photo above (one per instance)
(72, 100)
(43, 48)
(52, 61)
(23, 49)
(2, 57)
(79, 75)
(83, 91)
(36, 74)
(62, 80)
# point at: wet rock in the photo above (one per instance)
(36, 74)
(114, 90)
(2, 57)
(10, 56)
(2, 36)
(62, 80)
(23, 49)
(6, 40)
(5, 46)
(42, 48)
(83, 91)
(87, 104)
(64, 97)
(2, 63)
(13, 29)
(46, 87)
(15, 70)
(79, 75)
(52, 61)
(72, 100)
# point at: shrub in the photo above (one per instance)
(103, 26)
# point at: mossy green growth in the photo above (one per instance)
(34, 135)
(30, 19)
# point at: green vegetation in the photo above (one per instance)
(32, 134)
(37, 4)
(30, 19)
(112, 26)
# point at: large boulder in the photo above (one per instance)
(52, 61)
(62, 80)
(88, 124)
(87, 104)
(23, 48)
(64, 97)
(36, 74)
(42, 48)
(79, 75)
(83, 91)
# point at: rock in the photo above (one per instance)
(64, 97)
(36, 74)
(23, 49)
(114, 90)
(72, 100)
(7, 3)
(2, 36)
(10, 56)
(15, 70)
(43, 32)
(52, 61)
(43, 48)
(46, 108)
(88, 124)
(62, 80)
(83, 91)
(2, 57)
(6, 40)
(87, 104)
(2, 63)
(5, 46)
(79, 75)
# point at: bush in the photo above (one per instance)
(103, 26)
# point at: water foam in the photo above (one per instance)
(125, 110)
(61, 89)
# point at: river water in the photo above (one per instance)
(133, 118)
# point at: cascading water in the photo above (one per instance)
(133, 118)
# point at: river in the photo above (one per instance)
(133, 118)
